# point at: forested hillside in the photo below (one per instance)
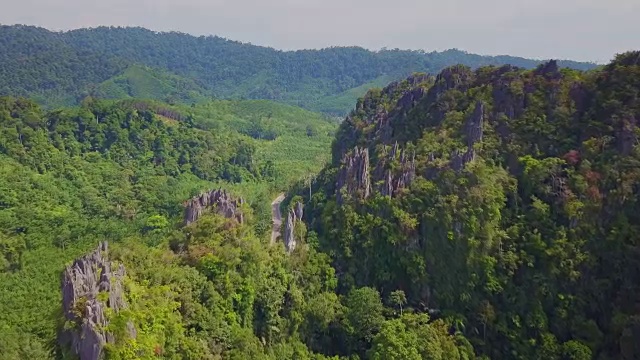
(120, 172)
(181, 272)
(62, 68)
(502, 200)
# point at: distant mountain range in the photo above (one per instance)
(61, 68)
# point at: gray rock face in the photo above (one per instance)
(370, 110)
(579, 95)
(399, 178)
(82, 282)
(384, 131)
(299, 210)
(505, 101)
(455, 77)
(220, 200)
(354, 175)
(350, 133)
(473, 133)
(395, 89)
(459, 160)
(473, 126)
(626, 137)
(295, 215)
(549, 70)
(410, 99)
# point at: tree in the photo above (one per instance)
(412, 336)
(363, 315)
(575, 350)
(395, 342)
(156, 223)
(398, 298)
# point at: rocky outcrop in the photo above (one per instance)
(507, 103)
(626, 137)
(580, 96)
(218, 200)
(454, 77)
(384, 131)
(349, 133)
(298, 210)
(550, 70)
(459, 160)
(473, 134)
(410, 99)
(371, 110)
(396, 90)
(473, 126)
(353, 177)
(294, 215)
(85, 311)
(395, 177)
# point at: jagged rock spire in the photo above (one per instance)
(82, 281)
(225, 204)
(354, 175)
(399, 179)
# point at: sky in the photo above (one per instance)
(586, 30)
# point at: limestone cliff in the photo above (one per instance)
(85, 310)
(473, 133)
(395, 170)
(353, 178)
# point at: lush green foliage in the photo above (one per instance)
(528, 251)
(215, 289)
(531, 249)
(147, 83)
(61, 68)
(119, 171)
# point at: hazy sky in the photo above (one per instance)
(591, 30)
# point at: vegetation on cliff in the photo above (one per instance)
(502, 200)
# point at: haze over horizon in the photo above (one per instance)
(587, 30)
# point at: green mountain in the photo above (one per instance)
(62, 68)
(502, 200)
